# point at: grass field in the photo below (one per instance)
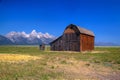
(29, 63)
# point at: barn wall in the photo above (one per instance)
(71, 40)
(86, 42)
(68, 42)
(57, 45)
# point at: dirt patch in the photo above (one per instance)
(15, 58)
(99, 51)
(95, 51)
(80, 52)
(74, 69)
(64, 51)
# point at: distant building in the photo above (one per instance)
(74, 38)
(42, 47)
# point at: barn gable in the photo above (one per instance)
(79, 30)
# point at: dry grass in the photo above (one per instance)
(32, 64)
(77, 69)
(15, 58)
(95, 51)
(63, 51)
(99, 51)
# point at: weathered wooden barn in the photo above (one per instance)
(74, 38)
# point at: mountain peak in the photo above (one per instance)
(31, 38)
(34, 32)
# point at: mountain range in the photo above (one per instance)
(22, 38)
(106, 44)
(35, 38)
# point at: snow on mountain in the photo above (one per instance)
(31, 38)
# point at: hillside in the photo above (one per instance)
(5, 41)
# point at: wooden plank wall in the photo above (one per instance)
(86, 42)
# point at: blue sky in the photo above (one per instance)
(52, 16)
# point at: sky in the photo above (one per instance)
(52, 16)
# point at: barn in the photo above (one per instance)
(74, 38)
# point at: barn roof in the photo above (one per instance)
(82, 30)
(85, 31)
(55, 40)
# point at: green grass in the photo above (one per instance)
(47, 68)
(112, 56)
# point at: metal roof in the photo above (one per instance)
(85, 31)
